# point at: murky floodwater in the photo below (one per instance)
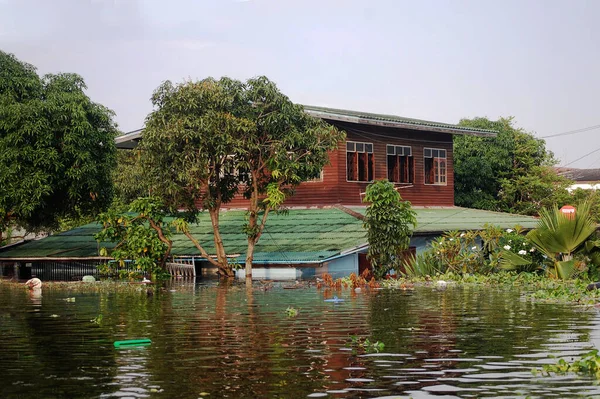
(214, 342)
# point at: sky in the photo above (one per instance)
(535, 60)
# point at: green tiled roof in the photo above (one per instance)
(301, 235)
(367, 117)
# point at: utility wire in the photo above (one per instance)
(581, 157)
(582, 130)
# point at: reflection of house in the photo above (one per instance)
(416, 155)
(587, 179)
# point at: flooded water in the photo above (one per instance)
(214, 342)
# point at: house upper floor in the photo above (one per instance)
(415, 155)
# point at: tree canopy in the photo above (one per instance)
(209, 140)
(511, 172)
(57, 148)
(284, 148)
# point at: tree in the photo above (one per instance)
(57, 148)
(141, 235)
(188, 148)
(284, 148)
(388, 222)
(511, 172)
(210, 140)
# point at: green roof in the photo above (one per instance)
(393, 121)
(300, 236)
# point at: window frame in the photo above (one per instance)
(410, 156)
(364, 151)
(437, 166)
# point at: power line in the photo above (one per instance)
(582, 130)
(581, 157)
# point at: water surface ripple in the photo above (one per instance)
(229, 341)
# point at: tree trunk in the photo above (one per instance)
(249, 258)
(224, 268)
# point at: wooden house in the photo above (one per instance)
(414, 154)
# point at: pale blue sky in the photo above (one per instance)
(442, 60)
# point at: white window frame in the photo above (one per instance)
(406, 151)
(372, 151)
(429, 152)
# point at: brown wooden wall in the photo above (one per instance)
(334, 189)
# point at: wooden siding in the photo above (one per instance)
(335, 189)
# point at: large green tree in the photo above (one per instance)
(57, 148)
(207, 141)
(188, 148)
(511, 172)
(284, 148)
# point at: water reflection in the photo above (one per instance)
(237, 341)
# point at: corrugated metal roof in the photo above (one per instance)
(393, 121)
(301, 235)
(438, 220)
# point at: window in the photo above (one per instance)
(317, 178)
(359, 161)
(400, 164)
(435, 166)
(241, 174)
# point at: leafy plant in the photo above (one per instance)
(97, 320)
(365, 344)
(291, 312)
(389, 222)
(141, 236)
(589, 364)
(558, 236)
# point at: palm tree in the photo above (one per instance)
(559, 235)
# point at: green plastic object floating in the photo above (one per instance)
(132, 342)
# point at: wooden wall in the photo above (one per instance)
(334, 189)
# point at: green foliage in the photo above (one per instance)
(589, 364)
(284, 148)
(141, 235)
(189, 142)
(389, 222)
(517, 252)
(365, 344)
(471, 252)
(510, 173)
(291, 312)
(558, 236)
(57, 148)
(206, 140)
(129, 178)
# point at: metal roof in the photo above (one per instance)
(300, 236)
(367, 118)
(129, 140)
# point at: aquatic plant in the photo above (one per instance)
(365, 344)
(97, 320)
(588, 364)
(291, 312)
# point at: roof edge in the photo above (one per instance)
(338, 115)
